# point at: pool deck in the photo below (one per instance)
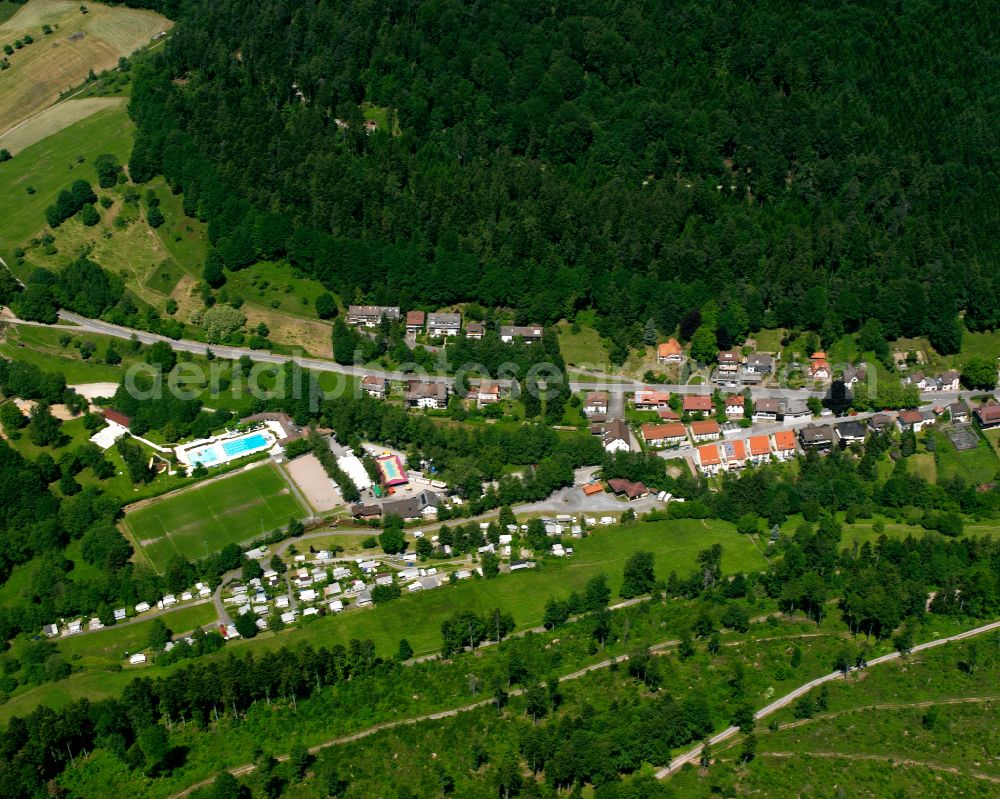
(188, 453)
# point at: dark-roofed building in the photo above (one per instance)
(474, 330)
(528, 333)
(426, 394)
(880, 422)
(444, 324)
(371, 315)
(816, 436)
(850, 432)
(959, 411)
(729, 361)
(366, 511)
(411, 507)
(614, 435)
(759, 363)
(766, 409)
(627, 488)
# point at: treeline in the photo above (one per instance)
(85, 288)
(320, 446)
(626, 158)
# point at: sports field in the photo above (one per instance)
(79, 42)
(203, 519)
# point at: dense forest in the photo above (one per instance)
(807, 166)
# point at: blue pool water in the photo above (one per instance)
(206, 456)
(240, 445)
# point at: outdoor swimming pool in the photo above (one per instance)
(214, 453)
(239, 446)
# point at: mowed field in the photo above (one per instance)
(203, 519)
(58, 61)
(52, 165)
(54, 119)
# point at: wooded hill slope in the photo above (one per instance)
(805, 165)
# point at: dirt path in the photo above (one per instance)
(961, 700)
(893, 759)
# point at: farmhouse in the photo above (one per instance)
(614, 435)
(664, 435)
(425, 394)
(596, 403)
(529, 333)
(415, 321)
(371, 315)
(706, 430)
(669, 352)
(444, 324)
(698, 403)
(375, 386)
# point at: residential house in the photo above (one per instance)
(627, 488)
(664, 435)
(850, 432)
(705, 430)
(668, 414)
(670, 352)
(698, 403)
(854, 375)
(415, 321)
(760, 449)
(528, 333)
(959, 412)
(819, 369)
(733, 453)
(412, 507)
(816, 436)
(766, 409)
(911, 420)
(707, 459)
(734, 406)
(444, 324)
(918, 379)
(596, 403)
(614, 435)
(950, 381)
(425, 394)
(371, 315)
(651, 399)
(474, 330)
(759, 363)
(729, 362)
(988, 415)
(375, 386)
(794, 410)
(487, 394)
(880, 422)
(784, 444)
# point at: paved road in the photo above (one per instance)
(616, 385)
(692, 755)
